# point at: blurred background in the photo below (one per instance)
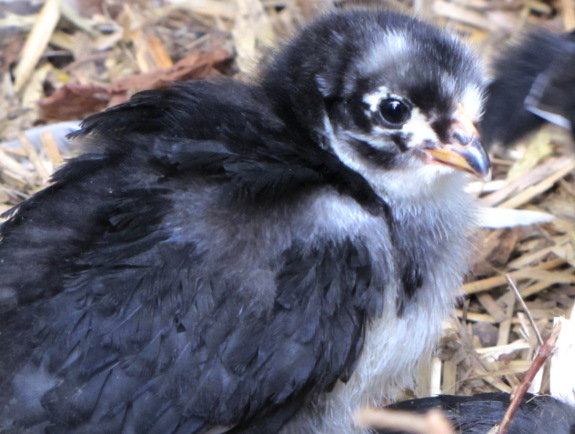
(61, 60)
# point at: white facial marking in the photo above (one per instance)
(396, 43)
(391, 46)
(472, 102)
(413, 182)
(415, 177)
(374, 98)
(419, 128)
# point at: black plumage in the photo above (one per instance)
(534, 82)
(226, 256)
(478, 414)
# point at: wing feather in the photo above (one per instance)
(121, 325)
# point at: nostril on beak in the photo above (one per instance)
(461, 137)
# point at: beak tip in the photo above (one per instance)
(487, 176)
(478, 161)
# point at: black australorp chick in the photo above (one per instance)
(534, 82)
(478, 414)
(251, 258)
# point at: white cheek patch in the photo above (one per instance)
(418, 129)
(414, 182)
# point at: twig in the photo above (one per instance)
(522, 274)
(545, 351)
(524, 306)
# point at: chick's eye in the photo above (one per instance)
(394, 112)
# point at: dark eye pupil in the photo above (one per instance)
(394, 111)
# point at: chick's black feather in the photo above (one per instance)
(138, 312)
(479, 413)
(537, 70)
